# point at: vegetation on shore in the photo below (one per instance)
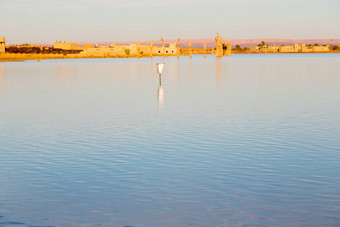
(38, 50)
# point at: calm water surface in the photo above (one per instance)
(247, 140)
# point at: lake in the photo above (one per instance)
(245, 140)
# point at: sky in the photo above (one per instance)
(131, 20)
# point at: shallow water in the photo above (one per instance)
(246, 140)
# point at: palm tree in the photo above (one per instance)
(262, 44)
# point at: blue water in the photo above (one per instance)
(246, 140)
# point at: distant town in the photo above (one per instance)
(216, 46)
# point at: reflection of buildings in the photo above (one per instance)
(178, 69)
(66, 74)
(219, 71)
(2, 77)
(190, 68)
(219, 68)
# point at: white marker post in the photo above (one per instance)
(160, 67)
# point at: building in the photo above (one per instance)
(2, 45)
(167, 50)
(288, 49)
(303, 48)
(320, 48)
(115, 50)
(66, 45)
(296, 48)
(99, 51)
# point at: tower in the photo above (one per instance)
(151, 47)
(178, 49)
(138, 48)
(163, 46)
(228, 50)
(2, 45)
(205, 50)
(296, 47)
(219, 50)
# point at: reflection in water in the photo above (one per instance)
(160, 93)
(160, 67)
(2, 78)
(219, 72)
(190, 68)
(161, 96)
(263, 152)
(66, 74)
(160, 80)
(178, 69)
(205, 66)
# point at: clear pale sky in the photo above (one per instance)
(130, 20)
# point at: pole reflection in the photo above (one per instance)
(160, 97)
